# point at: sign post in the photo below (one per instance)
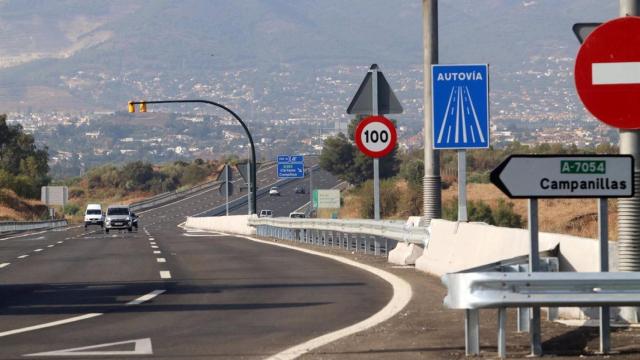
(565, 176)
(460, 97)
(375, 97)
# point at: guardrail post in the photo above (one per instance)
(502, 332)
(472, 332)
(523, 319)
(366, 245)
(376, 246)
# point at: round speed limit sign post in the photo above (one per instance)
(376, 137)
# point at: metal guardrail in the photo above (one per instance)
(11, 226)
(171, 196)
(396, 230)
(480, 290)
(368, 236)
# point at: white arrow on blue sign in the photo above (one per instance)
(290, 166)
(460, 95)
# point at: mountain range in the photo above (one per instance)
(116, 46)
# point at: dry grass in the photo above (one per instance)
(12, 207)
(566, 216)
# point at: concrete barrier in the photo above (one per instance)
(457, 246)
(405, 254)
(235, 224)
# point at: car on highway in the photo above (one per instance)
(93, 215)
(297, 215)
(274, 191)
(118, 217)
(266, 213)
(299, 189)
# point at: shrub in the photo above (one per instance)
(71, 209)
(505, 216)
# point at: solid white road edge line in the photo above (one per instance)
(49, 324)
(402, 294)
(165, 274)
(145, 297)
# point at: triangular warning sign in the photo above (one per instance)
(362, 102)
(243, 169)
(141, 347)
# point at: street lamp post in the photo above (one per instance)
(252, 176)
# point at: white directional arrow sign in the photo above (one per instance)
(565, 176)
(140, 347)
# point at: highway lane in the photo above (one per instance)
(212, 295)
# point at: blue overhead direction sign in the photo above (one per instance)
(460, 95)
(290, 166)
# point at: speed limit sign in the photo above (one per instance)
(376, 136)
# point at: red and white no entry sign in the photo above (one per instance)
(607, 72)
(376, 136)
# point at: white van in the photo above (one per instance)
(93, 215)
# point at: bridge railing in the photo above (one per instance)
(11, 226)
(369, 236)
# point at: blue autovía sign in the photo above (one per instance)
(460, 95)
(290, 166)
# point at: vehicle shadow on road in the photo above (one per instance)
(73, 298)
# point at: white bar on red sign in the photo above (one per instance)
(615, 73)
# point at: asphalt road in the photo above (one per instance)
(163, 293)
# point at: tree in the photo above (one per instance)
(343, 159)
(23, 166)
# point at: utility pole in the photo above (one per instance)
(629, 208)
(431, 182)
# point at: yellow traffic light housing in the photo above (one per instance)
(132, 107)
(143, 107)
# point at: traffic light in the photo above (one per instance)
(132, 107)
(143, 107)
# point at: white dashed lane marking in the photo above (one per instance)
(37, 250)
(60, 242)
(22, 256)
(50, 246)
(157, 252)
(3, 265)
(165, 274)
(154, 247)
(146, 297)
(161, 260)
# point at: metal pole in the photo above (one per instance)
(502, 332)
(249, 207)
(462, 185)
(311, 189)
(431, 182)
(629, 208)
(534, 266)
(252, 161)
(376, 161)
(226, 186)
(603, 237)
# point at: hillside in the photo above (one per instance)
(13, 207)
